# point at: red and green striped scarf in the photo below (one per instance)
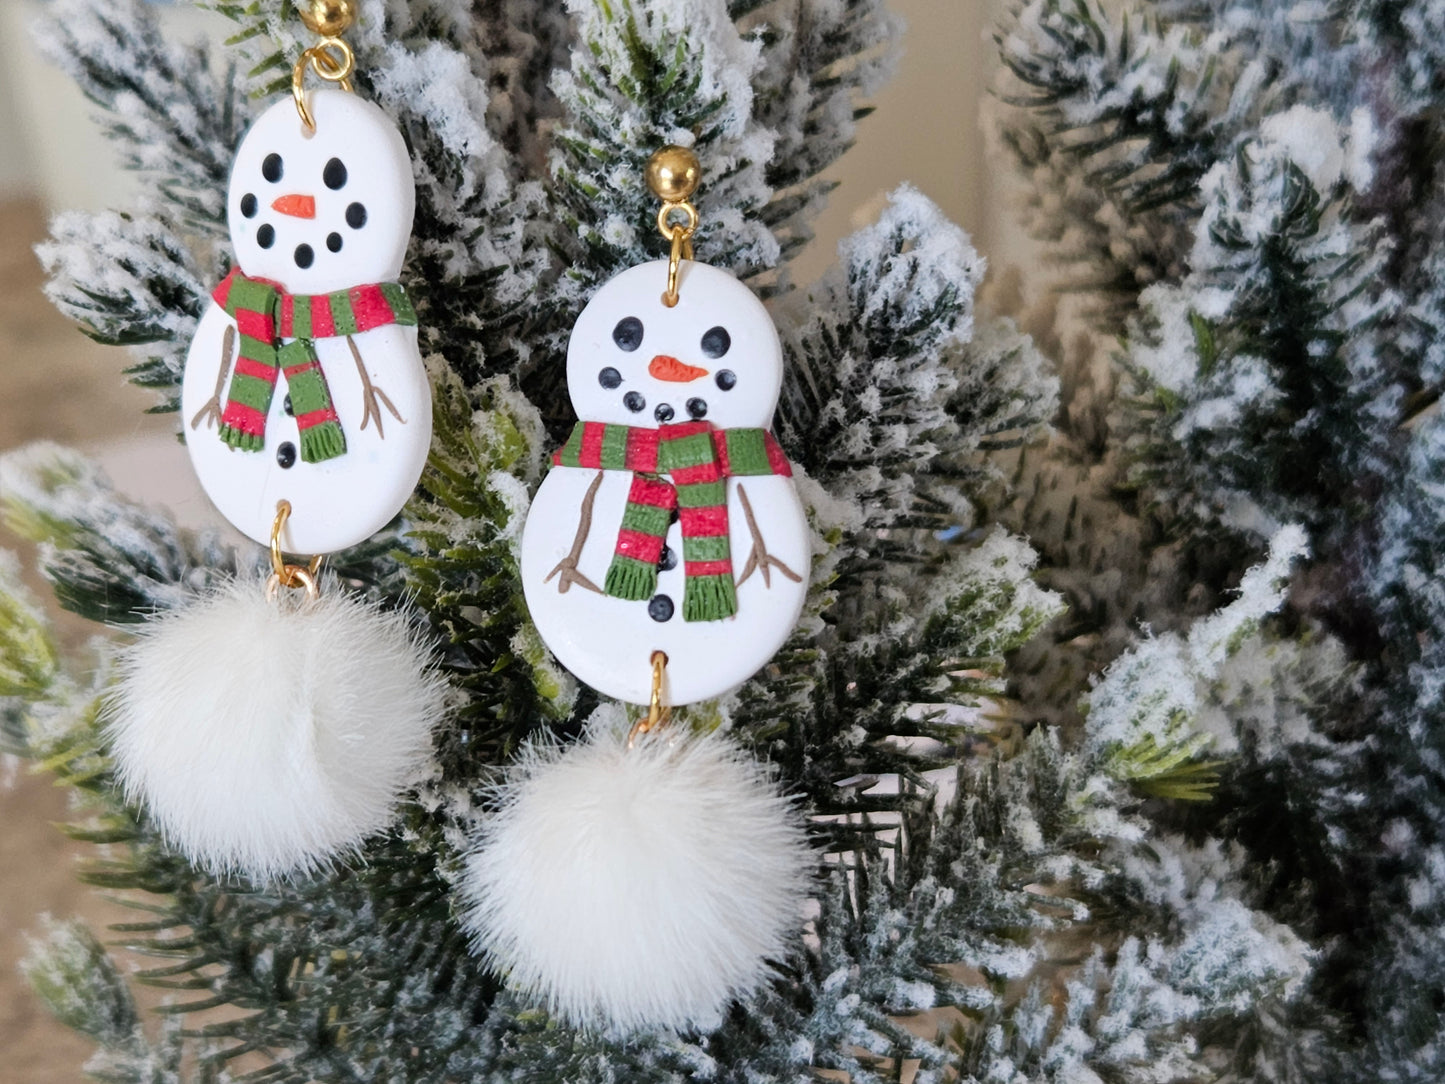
(698, 458)
(265, 316)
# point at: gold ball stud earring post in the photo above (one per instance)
(673, 174)
(326, 18)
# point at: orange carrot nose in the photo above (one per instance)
(296, 206)
(666, 368)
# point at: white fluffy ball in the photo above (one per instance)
(266, 738)
(642, 887)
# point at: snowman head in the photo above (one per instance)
(715, 355)
(323, 211)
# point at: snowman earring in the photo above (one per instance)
(266, 735)
(663, 559)
(304, 381)
(669, 521)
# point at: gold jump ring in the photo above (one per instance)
(326, 67)
(288, 575)
(680, 235)
(665, 224)
(657, 712)
(302, 577)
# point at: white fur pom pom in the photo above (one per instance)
(265, 737)
(642, 887)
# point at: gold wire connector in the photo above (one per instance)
(287, 575)
(658, 713)
(673, 174)
(330, 58)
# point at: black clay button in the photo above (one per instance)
(675, 516)
(266, 236)
(609, 378)
(356, 215)
(286, 406)
(271, 168)
(716, 342)
(334, 174)
(628, 333)
(248, 205)
(333, 242)
(660, 608)
(304, 256)
(663, 413)
(286, 455)
(697, 408)
(634, 402)
(668, 561)
(726, 379)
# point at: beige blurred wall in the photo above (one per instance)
(53, 149)
(15, 173)
(924, 129)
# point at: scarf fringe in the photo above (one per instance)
(630, 579)
(245, 442)
(709, 598)
(322, 442)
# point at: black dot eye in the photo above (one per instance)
(663, 413)
(609, 378)
(716, 341)
(628, 333)
(266, 236)
(356, 215)
(334, 174)
(697, 408)
(248, 205)
(634, 402)
(726, 378)
(333, 242)
(304, 256)
(271, 168)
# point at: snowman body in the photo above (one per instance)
(633, 361)
(314, 214)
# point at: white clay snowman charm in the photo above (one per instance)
(669, 521)
(304, 382)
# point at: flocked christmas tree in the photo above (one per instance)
(1015, 886)
(1248, 198)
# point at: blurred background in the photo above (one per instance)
(57, 385)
